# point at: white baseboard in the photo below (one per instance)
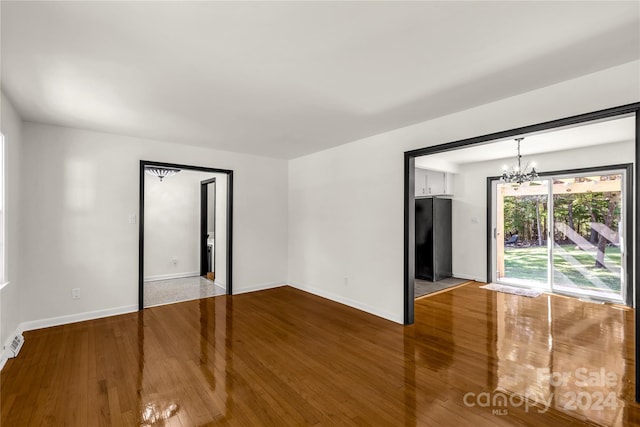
(469, 277)
(220, 285)
(72, 318)
(6, 353)
(348, 301)
(171, 276)
(259, 287)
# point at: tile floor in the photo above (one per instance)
(161, 292)
(424, 287)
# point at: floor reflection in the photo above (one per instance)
(445, 356)
(285, 357)
(409, 365)
(157, 413)
(191, 390)
(565, 354)
(513, 358)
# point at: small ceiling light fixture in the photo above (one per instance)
(160, 172)
(516, 174)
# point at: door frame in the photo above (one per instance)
(229, 242)
(628, 219)
(409, 200)
(204, 222)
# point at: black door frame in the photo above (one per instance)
(628, 223)
(409, 200)
(204, 224)
(229, 173)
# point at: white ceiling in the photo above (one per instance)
(284, 79)
(586, 135)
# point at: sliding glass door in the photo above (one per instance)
(523, 259)
(587, 250)
(563, 233)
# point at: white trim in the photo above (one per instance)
(220, 285)
(72, 318)
(470, 277)
(6, 352)
(348, 301)
(170, 276)
(258, 287)
(4, 285)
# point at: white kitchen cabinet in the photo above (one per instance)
(432, 183)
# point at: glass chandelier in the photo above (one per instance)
(160, 172)
(516, 174)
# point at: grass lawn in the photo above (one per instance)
(531, 263)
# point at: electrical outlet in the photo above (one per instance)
(75, 293)
(174, 260)
(346, 281)
(132, 219)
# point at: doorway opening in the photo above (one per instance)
(476, 143)
(185, 233)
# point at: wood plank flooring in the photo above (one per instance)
(284, 357)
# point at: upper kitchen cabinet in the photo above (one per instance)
(433, 183)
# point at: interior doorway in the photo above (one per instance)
(630, 110)
(473, 161)
(172, 228)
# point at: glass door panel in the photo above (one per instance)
(587, 217)
(522, 252)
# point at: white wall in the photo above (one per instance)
(469, 217)
(172, 224)
(11, 126)
(346, 203)
(82, 188)
(345, 227)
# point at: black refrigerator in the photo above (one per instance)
(433, 238)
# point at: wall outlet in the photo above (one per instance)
(346, 281)
(75, 293)
(174, 260)
(132, 219)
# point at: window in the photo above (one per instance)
(2, 213)
(564, 233)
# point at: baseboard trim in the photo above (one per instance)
(73, 318)
(349, 302)
(469, 277)
(259, 287)
(6, 353)
(97, 314)
(171, 276)
(220, 285)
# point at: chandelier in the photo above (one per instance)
(160, 172)
(516, 174)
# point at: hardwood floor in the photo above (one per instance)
(284, 357)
